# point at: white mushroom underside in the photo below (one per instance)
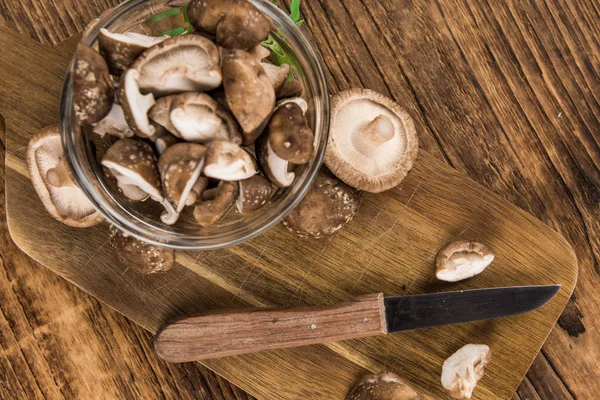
(279, 168)
(138, 103)
(353, 117)
(114, 124)
(463, 369)
(197, 123)
(133, 38)
(459, 268)
(132, 183)
(189, 186)
(235, 170)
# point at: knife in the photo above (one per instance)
(232, 332)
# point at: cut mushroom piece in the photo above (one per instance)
(289, 135)
(254, 193)
(207, 212)
(274, 167)
(297, 100)
(164, 141)
(160, 113)
(372, 141)
(229, 162)
(290, 88)
(237, 24)
(260, 52)
(461, 260)
(463, 369)
(327, 206)
(114, 124)
(188, 63)
(120, 50)
(382, 386)
(52, 181)
(179, 168)
(93, 90)
(249, 93)
(136, 105)
(277, 75)
(142, 257)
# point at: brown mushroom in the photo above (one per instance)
(382, 386)
(53, 183)
(372, 141)
(114, 124)
(289, 134)
(260, 52)
(163, 141)
(277, 74)
(462, 259)
(254, 193)
(142, 257)
(207, 212)
(93, 89)
(327, 206)
(136, 105)
(274, 167)
(237, 24)
(290, 88)
(229, 162)
(249, 93)
(463, 369)
(120, 50)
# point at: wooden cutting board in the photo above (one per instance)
(389, 247)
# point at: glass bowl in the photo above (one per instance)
(142, 219)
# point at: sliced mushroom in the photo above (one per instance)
(254, 193)
(327, 206)
(114, 124)
(93, 89)
(276, 74)
(297, 100)
(179, 168)
(237, 24)
(290, 88)
(249, 92)
(274, 167)
(136, 105)
(463, 369)
(461, 260)
(121, 49)
(188, 63)
(289, 134)
(164, 141)
(382, 386)
(52, 181)
(229, 162)
(207, 212)
(133, 163)
(142, 257)
(372, 141)
(160, 113)
(260, 52)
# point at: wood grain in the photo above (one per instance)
(532, 67)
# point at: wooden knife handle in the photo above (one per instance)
(232, 332)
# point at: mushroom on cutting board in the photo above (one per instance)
(135, 104)
(254, 193)
(237, 24)
(328, 205)
(143, 257)
(273, 166)
(382, 386)
(209, 211)
(227, 161)
(463, 369)
(121, 49)
(114, 124)
(289, 134)
(93, 90)
(372, 141)
(462, 259)
(52, 181)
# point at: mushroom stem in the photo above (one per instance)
(59, 176)
(375, 133)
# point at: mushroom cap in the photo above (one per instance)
(277, 74)
(290, 88)
(143, 257)
(289, 135)
(249, 93)
(463, 369)
(260, 52)
(227, 161)
(63, 200)
(237, 24)
(372, 141)
(114, 124)
(120, 50)
(274, 167)
(327, 206)
(462, 259)
(188, 63)
(164, 141)
(382, 386)
(160, 113)
(135, 104)
(207, 212)
(93, 90)
(298, 100)
(254, 193)
(179, 168)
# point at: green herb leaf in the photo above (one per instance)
(169, 13)
(180, 30)
(295, 12)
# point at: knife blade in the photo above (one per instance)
(223, 333)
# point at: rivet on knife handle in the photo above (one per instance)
(234, 332)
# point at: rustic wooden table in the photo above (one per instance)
(506, 92)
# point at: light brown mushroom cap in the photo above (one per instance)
(260, 52)
(462, 259)
(160, 113)
(142, 257)
(163, 141)
(276, 74)
(382, 386)
(289, 134)
(463, 369)
(297, 100)
(114, 124)
(120, 50)
(207, 212)
(93, 90)
(254, 193)
(290, 88)
(179, 168)
(274, 167)
(52, 181)
(136, 105)
(227, 161)
(372, 141)
(327, 206)
(188, 63)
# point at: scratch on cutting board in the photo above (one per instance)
(414, 192)
(89, 260)
(262, 252)
(362, 274)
